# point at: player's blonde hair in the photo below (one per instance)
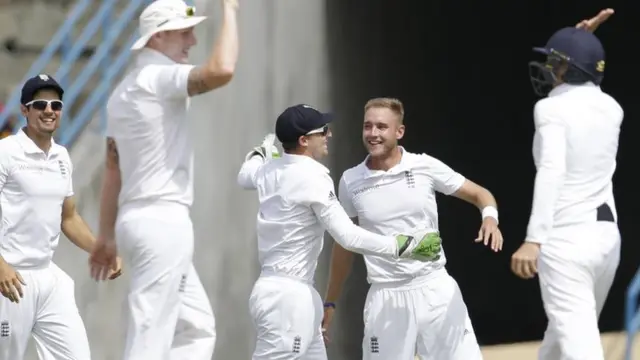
(392, 104)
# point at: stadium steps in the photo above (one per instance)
(26, 27)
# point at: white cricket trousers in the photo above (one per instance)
(576, 269)
(170, 317)
(47, 311)
(426, 317)
(287, 315)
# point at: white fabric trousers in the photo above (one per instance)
(170, 317)
(287, 315)
(576, 269)
(47, 311)
(427, 317)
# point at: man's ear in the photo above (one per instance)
(400, 132)
(303, 141)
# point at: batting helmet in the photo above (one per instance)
(577, 49)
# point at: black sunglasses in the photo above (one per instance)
(41, 105)
(323, 130)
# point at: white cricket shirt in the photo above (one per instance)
(574, 149)
(147, 117)
(33, 187)
(297, 203)
(395, 201)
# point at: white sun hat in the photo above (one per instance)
(164, 15)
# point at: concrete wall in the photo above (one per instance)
(283, 62)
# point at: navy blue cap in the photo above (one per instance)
(578, 47)
(297, 121)
(37, 83)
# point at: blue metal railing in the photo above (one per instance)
(101, 62)
(99, 95)
(96, 62)
(632, 314)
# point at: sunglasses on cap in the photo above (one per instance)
(56, 105)
(323, 130)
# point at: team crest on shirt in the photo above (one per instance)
(374, 345)
(64, 169)
(183, 283)
(297, 343)
(5, 329)
(410, 179)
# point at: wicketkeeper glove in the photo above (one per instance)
(266, 150)
(424, 245)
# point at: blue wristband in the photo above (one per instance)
(329, 305)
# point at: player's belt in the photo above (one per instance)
(604, 213)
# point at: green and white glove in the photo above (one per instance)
(423, 245)
(266, 150)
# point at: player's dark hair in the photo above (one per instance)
(289, 146)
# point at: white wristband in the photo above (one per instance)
(490, 211)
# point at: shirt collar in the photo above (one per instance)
(403, 165)
(563, 88)
(151, 56)
(303, 159)
(30, 147)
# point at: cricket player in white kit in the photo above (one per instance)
(148, 182)
(297, 204)
(36, 204)
(412, 307)
(573, 241)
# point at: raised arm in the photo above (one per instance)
(254, 160)
(220, 67)
(593, 23)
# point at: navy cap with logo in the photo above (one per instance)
(37, 83)
(299, 120)
(579, 48)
